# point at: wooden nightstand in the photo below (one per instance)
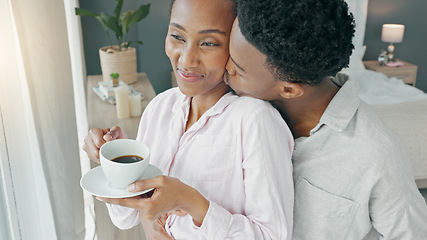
(407, 73)
(102, 114)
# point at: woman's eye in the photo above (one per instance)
(209, 44)
(177, 37)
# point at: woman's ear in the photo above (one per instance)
(291, 90)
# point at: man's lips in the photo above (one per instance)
(189, 77)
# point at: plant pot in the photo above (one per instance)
(122, 62)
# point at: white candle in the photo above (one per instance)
(135, 105)
(122, 101)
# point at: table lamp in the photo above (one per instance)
(392, 33)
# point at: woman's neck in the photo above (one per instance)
(201, 103)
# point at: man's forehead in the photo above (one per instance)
(242, 53)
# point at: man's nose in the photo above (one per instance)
(230, 67)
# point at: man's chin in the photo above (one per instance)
(244, 95)
(235, 92)
(238, 93)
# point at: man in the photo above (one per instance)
(351, 174)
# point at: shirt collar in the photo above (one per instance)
(183, 104)
(343, 106)
(222, 104)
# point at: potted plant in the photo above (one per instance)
(120, 58)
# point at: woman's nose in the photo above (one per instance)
(189, 57)
(230, 67)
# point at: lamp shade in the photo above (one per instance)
(392, 33)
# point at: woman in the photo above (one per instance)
(226, 159)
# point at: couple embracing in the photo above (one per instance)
(262, 139)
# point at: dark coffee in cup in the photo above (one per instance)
(134, 157)
(127, 159)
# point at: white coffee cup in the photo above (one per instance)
(120, 174)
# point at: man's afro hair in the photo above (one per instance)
(304, 40)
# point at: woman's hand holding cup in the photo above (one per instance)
(98, 137)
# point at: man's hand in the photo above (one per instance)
(158, 231)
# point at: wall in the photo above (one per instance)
(413, 49)
(151, 30)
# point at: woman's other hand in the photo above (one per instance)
(97, 137)
(170, 194)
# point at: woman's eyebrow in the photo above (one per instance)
(177, 26)
(206, 31)
(212, 31)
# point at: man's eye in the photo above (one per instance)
(209, 44)
(177, 37)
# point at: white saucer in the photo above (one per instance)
(97, 184)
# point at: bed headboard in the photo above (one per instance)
(359, 8)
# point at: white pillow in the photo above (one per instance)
(359, 8)
(356, 58)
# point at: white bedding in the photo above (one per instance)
(409, 121)
(403, 108)
(377, 89)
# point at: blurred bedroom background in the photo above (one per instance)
(48, 54)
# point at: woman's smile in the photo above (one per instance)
(189, 77)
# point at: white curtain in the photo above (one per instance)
(39, 137)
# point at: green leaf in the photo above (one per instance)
(118, 8)
(84, 12)
(140, 14)
(111, 22)
(124, 20)
(103, 23)
(130, 43)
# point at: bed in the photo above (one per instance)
(402, 107)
